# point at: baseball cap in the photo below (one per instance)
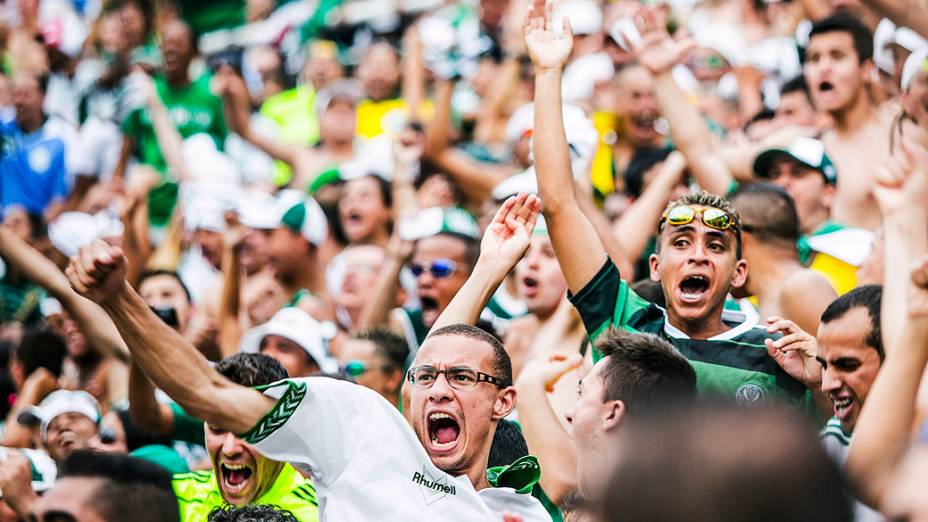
(292, 209)
(72, 230)
(67, 401)
(807, 151)
(432, 221)
(584, 15)
(296, 325)
(914, 64)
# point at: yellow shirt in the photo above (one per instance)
(374, 118)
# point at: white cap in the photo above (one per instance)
(582, 75)
(582, 136)
(72, 230)
(585, 16)
(258, 209)
(66, 401)
(296, 325)
(916, 63)
(207, 163)
(908, 39)
(290, 208)
(524, 181)
(883, 36)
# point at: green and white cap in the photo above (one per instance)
(292, 209)
(914, 64)
(432, 221)
(807, 151)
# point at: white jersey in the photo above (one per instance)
(365, 460)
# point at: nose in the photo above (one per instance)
(440, 390)
(231, 445)
(698, 254)
(830, 382)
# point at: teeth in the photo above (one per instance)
(234, 467)
(436, 416)
(842, 403)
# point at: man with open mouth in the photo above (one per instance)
(240, 476)
(839, 70)
(366, 461)
(850, 351)
(698, 259)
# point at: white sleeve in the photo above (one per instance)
(318, 423)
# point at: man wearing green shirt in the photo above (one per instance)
(240, 475)
(193, 109)
(698, 260)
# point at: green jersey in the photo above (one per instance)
(193, 109)
(733, 364)
(198, 495)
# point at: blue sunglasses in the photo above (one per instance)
(439, 268)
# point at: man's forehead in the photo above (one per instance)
(847, 333)
(446, 351)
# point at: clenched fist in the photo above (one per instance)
(98, 271)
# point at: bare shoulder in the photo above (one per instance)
(805, 284)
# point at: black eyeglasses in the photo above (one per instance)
(460, 377)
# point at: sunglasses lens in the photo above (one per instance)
(716, 218)
(354, 368)
(416, 269)
(681, 215)
(442, 267)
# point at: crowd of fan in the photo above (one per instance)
(583, 260)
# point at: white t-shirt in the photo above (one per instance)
(366, 461)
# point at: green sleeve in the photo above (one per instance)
(597, 301)
(130, 125)
(186, 427)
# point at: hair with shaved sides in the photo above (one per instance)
(770, 214)
(502, 365)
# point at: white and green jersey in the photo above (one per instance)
(837, 442)
(366, 461)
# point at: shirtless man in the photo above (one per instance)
(838, 71)
(770, 230)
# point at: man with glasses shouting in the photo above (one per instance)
(698, 255)
(366, 461)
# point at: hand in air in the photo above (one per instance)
(507, 238)
(902, 181)
(547, 50)
(655, 48)
(98, 271)
(794, 352)
(918, 291)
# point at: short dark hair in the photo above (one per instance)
(128, 483)
(148, 274)
(868, 297)
(797, 84)
(502, 365)
(471, 246)
(390, 346)
(41, 349)
(707, 199)
(642, 160)
(769, 213)
(508, 444)
(256, 513)
(251, 369)
(846, 23)
(644, 371)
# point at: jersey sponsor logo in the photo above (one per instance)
(40, 159)
(432, 489)
(750, 395)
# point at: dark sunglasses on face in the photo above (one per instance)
(439, 268)
(711, 217)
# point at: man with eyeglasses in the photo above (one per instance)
(698, 258)
(366, 460)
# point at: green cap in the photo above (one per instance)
(807, 151)
(163, 456)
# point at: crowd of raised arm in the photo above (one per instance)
(517, 260)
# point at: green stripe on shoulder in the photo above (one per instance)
(279, 415)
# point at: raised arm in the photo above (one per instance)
(909, 13)
(884, 430)
(660, 53)
(92, 321)
(902, 189)
(144, 406)
(504, 243)
(230, 327)
(169, 140)
(544, 433)
(98, 273)
(236, 107)
(578, 248)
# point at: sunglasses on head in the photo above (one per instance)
(711, 217)
(439, 268)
